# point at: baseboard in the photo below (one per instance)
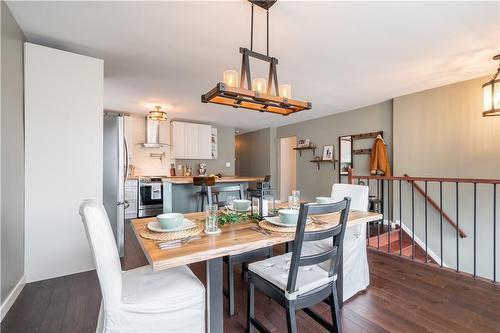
(7, 304)
(420, 243)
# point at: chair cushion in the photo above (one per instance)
(276, 269)
(167, 289)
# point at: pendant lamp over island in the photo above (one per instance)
(257, 93)
(491, 93)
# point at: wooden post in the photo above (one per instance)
(350, 172)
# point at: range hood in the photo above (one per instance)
(153, 134)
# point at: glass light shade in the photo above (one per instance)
(157, 114)
(496, 97)
(487, 97)
(259, 85)
(230, 78)
(491, 98)
(285, 90)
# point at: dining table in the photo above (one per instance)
(234, 238)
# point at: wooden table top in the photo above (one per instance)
(234, 239)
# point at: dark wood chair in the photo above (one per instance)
(242, 258)
(206, 183)
(297, 281)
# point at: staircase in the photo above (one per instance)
(396, 241)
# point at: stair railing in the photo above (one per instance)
(389, 190)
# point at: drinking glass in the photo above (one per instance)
(229, 201)
(295, 199)
(211, 225)
(291, 200)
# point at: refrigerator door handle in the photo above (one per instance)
(126, 160)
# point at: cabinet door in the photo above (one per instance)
(204, 146)
(178, 140)
(191, 140)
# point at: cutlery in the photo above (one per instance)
(177, 243)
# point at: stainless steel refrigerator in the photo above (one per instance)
(115, 170)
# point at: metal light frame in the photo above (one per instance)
(157, 114)
(494, 80)
(243, 96)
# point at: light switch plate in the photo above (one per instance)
(228, 164)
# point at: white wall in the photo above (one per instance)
(63, 114)
(12, 160)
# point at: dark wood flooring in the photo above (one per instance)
(404, 296)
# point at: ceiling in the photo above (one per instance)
(338, 55)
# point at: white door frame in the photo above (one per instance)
(288, 166)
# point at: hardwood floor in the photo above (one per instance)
(403, 297)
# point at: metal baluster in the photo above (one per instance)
(458, 254)
(413, 220)
(389, 219)
(400, 222)
(475, 220)
(494, 233)
(441, 221)
(378, 222)
(425, 218)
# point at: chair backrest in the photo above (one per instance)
(225, 188)
(336, 233)
(104, 250)
(204, 181)
(357, 193)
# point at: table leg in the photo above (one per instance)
(215, 301)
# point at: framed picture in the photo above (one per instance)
(302, 143)
(328, 153)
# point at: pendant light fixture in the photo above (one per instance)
(256, 94)
(491, 93)
(157, 114)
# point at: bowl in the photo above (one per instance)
(241, 204)
(170, 220)
(289, 216)
(324, 200)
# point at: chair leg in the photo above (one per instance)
(334, 307)
(291, 321)
(230, 287)
(250, 306)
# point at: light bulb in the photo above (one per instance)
(259, 85)
(230, 78)
(285, 90)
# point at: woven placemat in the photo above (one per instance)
(271, 227)
(168, 236)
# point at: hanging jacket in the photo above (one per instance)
(379, 164)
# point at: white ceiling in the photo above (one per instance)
(338, 55)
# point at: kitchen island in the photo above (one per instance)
(180, 195)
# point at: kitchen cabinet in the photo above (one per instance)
(191, 141)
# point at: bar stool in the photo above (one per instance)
(206, 183)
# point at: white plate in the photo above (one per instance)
(230, 207)
(276, 221)
(186, 224)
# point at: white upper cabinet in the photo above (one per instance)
(191, 141)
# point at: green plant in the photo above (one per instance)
(232, 218)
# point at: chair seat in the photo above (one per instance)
(276, 269)
(168, 288)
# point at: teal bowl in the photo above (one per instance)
(170, 220)
(324, 200)
(241, 204)
(289, 216)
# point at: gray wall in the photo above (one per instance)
(12, 153)
(441, 133)
(225, 153)
(256, 154)
(326, 131)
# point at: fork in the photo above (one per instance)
(177, 243)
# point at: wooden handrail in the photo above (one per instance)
(436, 206)
(413, 180)
(351, 176)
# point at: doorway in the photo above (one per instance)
(288, 166)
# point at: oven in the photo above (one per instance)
(150, 197)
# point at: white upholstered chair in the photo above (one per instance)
(356, 274)
(140, 300)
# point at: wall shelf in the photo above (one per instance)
(318, 162)
(300, 149)
(361, 151)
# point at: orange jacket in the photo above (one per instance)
(379, 162)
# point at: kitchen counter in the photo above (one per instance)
(181, 196)
(228, 179)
